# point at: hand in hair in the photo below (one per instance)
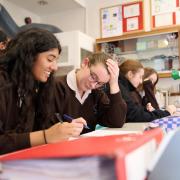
(114, 74)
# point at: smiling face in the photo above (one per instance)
(98, 76)
(45, 64)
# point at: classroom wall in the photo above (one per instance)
(19, 13)
(85, 19)
(68, 20)
(93, 14)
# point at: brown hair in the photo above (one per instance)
(149, 71)
(130, 65)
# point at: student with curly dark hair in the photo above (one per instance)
(26, 93)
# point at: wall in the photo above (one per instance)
(93, 30)
(74, 41)
(93, 14)
(67, 20)
(19, 13)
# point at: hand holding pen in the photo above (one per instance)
(69, 118)
(64, 130)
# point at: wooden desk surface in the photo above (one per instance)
(134, 126)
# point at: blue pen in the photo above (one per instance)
(67, 117)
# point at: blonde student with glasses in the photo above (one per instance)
(79, 94)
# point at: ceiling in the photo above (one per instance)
(52, 6)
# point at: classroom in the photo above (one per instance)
(89, 89)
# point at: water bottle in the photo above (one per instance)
(175, 74)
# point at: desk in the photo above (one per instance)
(134, 126)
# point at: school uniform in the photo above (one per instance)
(95, 106)
(135, 111)
(14, 128)
(149, 96)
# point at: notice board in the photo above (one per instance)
(120, 19)
(165, 13)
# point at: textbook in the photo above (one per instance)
(114, 157)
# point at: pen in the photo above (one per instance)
(67, 117)
(58, 117)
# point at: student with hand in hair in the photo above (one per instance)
(130, 77)
(144, 95)
(27, 93)
(148, 88)
(79, 94)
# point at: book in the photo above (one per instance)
(121, 157)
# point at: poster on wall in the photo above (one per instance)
(163, 6)
(164, 13)
(132, 16)
(111, 21)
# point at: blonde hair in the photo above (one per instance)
(99, 57)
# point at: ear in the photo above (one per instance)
(85, 63)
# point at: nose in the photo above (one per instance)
(93, 85)
(54, 66)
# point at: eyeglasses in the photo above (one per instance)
(94, 78)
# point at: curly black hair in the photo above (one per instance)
(18, 61)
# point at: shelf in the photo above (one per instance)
(126, 47)
(175, 94)
(144, 51)
(164, 74)
(139, 34)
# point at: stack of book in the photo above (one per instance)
(121, 157)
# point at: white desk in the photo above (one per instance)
(134, 126)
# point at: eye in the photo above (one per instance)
(50, 59)
(93, 76)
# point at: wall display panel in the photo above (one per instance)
(132, 16)
(111, 21)
(165, 13)
(120, 19)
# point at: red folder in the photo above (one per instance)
(123, 148)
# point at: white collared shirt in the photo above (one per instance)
(72, 83)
